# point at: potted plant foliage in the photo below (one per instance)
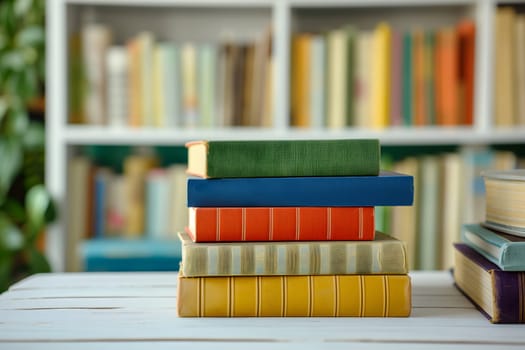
(25, 204)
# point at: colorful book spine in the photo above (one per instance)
(506, 251)
(281, 224)
(387, 189)
(500, 295)
(384, 255)
(300, 296)
(224, 159)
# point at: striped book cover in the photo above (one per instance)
(301, 296)
(384, 255)
(281, 224)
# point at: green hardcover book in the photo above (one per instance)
(350, 75)
(229, 159)
(506, 251)
(384, 255)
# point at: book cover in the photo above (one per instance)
(504, 208)
(295, 296)
(504, 71)
(117, 86)
(336, 78)
(380, 84)
(78, 198)
(506, 251)
(408, 80)
(96, 39)
(281, 224)
(466, 30)
(316, 94)
(448, 70)
(363, 78)
(497, 293)
(388, 188)
(232, 159)
(300, 80)
(118, 254)
(428, 212)
(384, 255)
(157, 208)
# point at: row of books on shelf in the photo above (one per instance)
(150, 83)
(383, 77)
(285, 228)
(509, 67)
(490, 267)
(448, 192)
(145, 202)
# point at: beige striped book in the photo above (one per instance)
(384, 255)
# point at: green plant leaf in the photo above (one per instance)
(22, 7)
(11, 239)
(14, 209)
(31, 36)
(35, 136)
(37, 261)
(17, 123)
(11, 155)
(13, 60)
(3, 108)
(6, 264)
(38, 202)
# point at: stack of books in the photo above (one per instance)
(286, 228)
(490, 260)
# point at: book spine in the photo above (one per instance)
(283, 224)
(509, 294)
(293, 158)
(300, 296)
(117, 82)
(358, 191)
(308, 258)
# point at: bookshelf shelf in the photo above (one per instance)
(85, 135)
(209, 21)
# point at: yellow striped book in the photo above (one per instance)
(384, 255)
(295, 296)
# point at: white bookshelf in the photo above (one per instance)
(176, 20)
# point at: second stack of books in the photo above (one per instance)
(490, 262)
(286, 228)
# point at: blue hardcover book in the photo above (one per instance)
(506, 251)
(387, 189)
(117, 254)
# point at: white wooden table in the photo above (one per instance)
(137, 311)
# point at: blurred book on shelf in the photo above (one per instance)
(147, 82)
(143, 202)
(449, 191)
(384, 77)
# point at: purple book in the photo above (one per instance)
(500, 295)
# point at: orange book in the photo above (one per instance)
(448, 94)
(281, 224)
(466, 36)
(420, 117)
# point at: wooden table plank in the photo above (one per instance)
(131, 309)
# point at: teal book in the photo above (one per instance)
(284, 158)
(119, 254)
(506, 251)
